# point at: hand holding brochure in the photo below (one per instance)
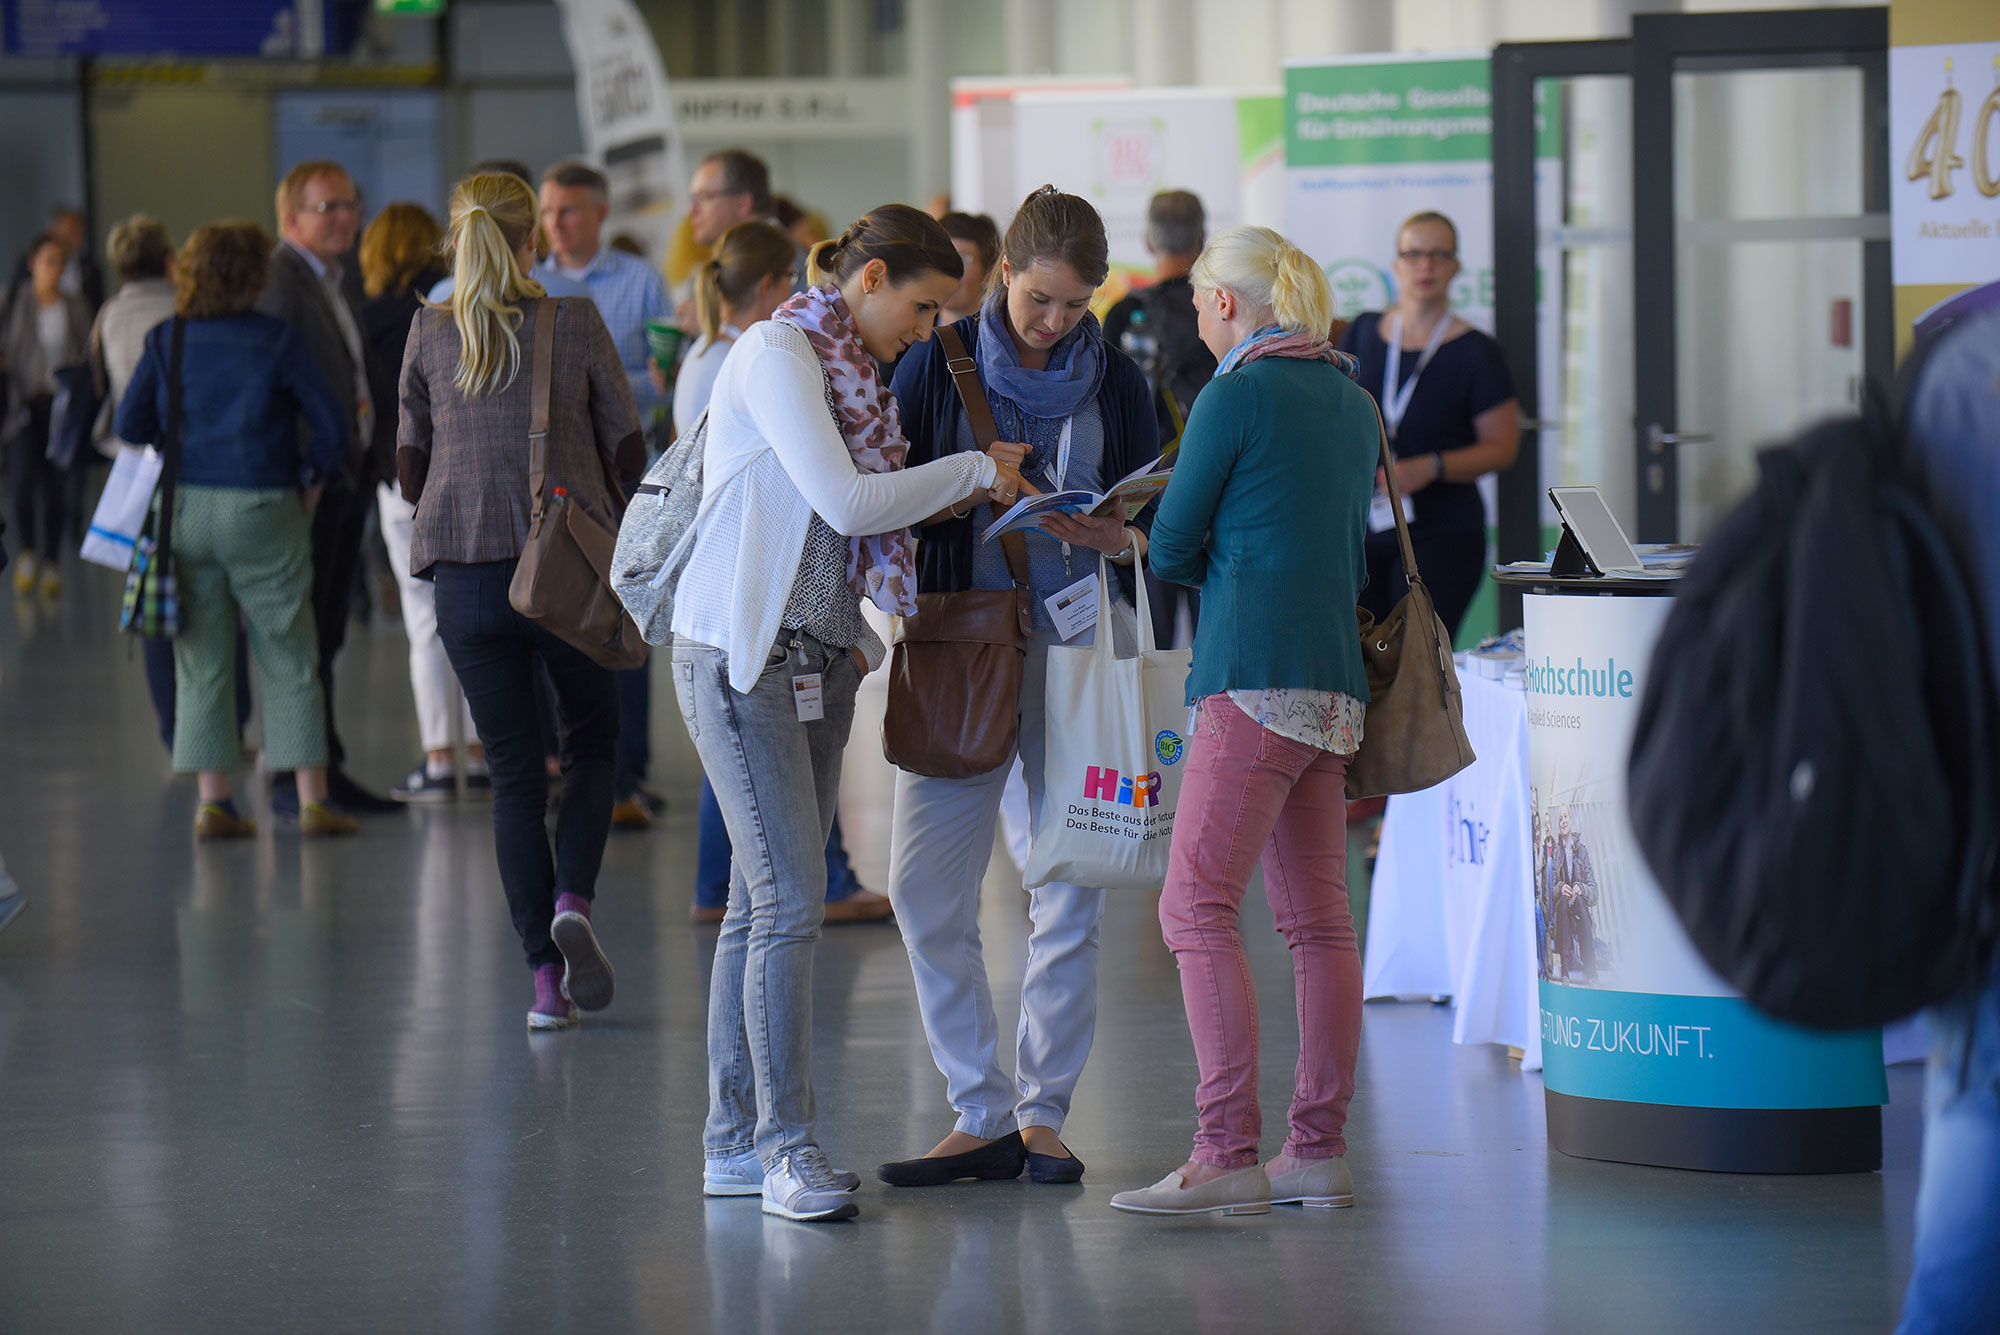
(1126, 498)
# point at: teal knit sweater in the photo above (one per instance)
(1266, 515)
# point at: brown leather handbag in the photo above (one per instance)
(954, 705)
(1414, 732)
(563, 580)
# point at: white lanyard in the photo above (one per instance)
(1062, 476)
(1396, 402)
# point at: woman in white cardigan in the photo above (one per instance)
(805, 509)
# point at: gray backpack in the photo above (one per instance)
(656, 537)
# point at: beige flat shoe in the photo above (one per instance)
(1323, 1184)
(1245, 1191)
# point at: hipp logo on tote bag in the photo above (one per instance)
(1105, 785)
(1110, 825)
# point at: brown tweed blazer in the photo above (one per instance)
(463, 462)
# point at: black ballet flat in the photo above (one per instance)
(996, 1161)
(1052, 1170)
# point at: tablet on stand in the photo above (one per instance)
(1593, 541)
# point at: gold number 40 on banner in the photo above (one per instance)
(1935, 152)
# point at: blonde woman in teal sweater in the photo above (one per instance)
(1266, 516)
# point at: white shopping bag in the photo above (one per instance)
(1114, 754)
(121, 510)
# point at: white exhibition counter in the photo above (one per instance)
(1451, 906)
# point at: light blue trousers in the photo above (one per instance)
(943, 839)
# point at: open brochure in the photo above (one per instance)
(1126, 498)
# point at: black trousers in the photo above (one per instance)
(41, 490)
(1453, 563)
(337, 526)
(496, 652)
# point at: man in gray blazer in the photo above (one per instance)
(319, 213)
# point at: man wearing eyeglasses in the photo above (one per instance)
(730, 186)
(319, 213)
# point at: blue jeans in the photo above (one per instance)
(1955, 1276)
(776, 780)
(712, 858)
(495, 652)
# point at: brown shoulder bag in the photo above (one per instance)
(954, 705)
(563, 580)
(1414, 732)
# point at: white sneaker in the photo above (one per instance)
(1322, 1183)
(743, 1175)
(802, 1186)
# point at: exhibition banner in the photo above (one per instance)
(983, 138)
(1629, 1010)
(627, 113)
(1370, 140)
(1944, 148)
(1118, 149)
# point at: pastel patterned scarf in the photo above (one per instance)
(882, 566)
(1273, 341)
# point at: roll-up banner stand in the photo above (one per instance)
(627, 114)
(1118, 149)
(1370, 140)
(1944, 162)
(983, 137)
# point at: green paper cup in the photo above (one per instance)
(665, 342)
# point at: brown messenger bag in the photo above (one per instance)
(563, 580)
(1413, 735)
(954, 705)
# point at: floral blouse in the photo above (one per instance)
(1329, 720)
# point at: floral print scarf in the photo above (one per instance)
(882, 566)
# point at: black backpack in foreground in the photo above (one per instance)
(1812, 773)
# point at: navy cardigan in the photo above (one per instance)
(931, 412)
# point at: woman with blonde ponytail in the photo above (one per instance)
(462, 459)
(754, 269)
(1266, 515)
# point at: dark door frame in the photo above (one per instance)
(1666, 44)
(1516, 285)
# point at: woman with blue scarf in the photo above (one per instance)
(1266, 515)
(1084, 413)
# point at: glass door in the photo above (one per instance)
(1760, 244)
(1563, 296)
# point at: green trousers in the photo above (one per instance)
(245, 551)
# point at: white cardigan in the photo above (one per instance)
(774, 458)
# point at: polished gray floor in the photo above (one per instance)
(275, 1087)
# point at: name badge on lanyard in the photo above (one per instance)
(1395, 401)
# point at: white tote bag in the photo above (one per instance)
(1114, 755)
(121, 510)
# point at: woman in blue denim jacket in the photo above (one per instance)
(240, 533)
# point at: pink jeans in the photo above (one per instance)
(1249, 793)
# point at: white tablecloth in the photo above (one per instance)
(1449, 909)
